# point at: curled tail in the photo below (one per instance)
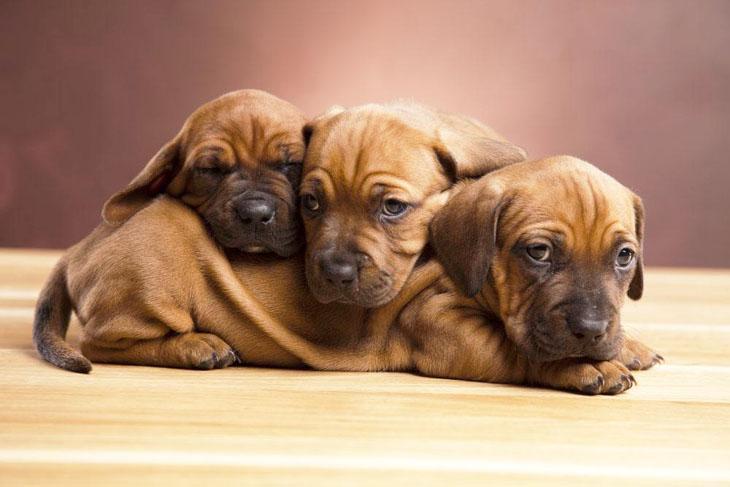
(52, 315)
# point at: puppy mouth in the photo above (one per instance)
(542, 346)
(372, 295)
(283, 242)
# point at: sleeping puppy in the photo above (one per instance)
(158, 291)
(540, 255)
(237, 161)
(373, 177)
(237, 164)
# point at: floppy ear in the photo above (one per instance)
(469, 149)
(636, 288)
(309, 127)
(464, 234)
(153, 179)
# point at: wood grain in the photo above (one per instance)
(280, 427)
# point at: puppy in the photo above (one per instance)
(237, 164)
(158, 291)
(537, 258)
(540, 256)
(373, 178)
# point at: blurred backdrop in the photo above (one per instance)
(89, 90)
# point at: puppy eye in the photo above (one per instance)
(625, 257)
(289, 167)
(539, 252)
(394, 208)
(310, 203)
(211, 171)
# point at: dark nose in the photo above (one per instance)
(340, 269)
(255, 211)
(588, 330)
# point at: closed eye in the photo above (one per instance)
(211, 171)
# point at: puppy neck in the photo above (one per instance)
(488, 300)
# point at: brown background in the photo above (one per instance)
(89, 91)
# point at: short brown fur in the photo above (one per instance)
(152, 288)
(361, 158)
(236, 161)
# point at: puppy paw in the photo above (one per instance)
(590, 378)
(637, 356)
(205, 351)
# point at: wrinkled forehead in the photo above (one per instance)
(251, 129)
(578, 206)
(365, 150)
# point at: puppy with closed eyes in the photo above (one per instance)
(236, 163)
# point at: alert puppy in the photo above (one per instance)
(373, 178)
(156, 290)
(540, 256)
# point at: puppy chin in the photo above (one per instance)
(234, 238)
(607, 351)
(540, 353)
(325, 294)
(366, 301)
(321, 292)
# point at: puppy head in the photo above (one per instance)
(552, 247)
(237, 162)
(373, 178)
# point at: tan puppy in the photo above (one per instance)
(159, 291)
(373, 177)
(260, 306)
(543, 254)
(237, 163)
(156, 290)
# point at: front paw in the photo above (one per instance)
(205, 351)
(590, 378)
(637, 356)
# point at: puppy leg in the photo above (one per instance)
(130, 341)
(459, 343)
(586, 377)
(637, 356)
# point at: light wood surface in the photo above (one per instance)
(261, 427)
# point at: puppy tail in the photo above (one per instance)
(52, 315)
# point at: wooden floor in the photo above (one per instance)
(240, 425)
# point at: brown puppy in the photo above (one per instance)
(541, 255)
(237, 163)
(260, 305)
(156, 291)
(373, 177)
(159, 291)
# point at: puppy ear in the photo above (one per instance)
(153, 179)
(469, 149)
(636, 288)
(464, 234)
(309, 127)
